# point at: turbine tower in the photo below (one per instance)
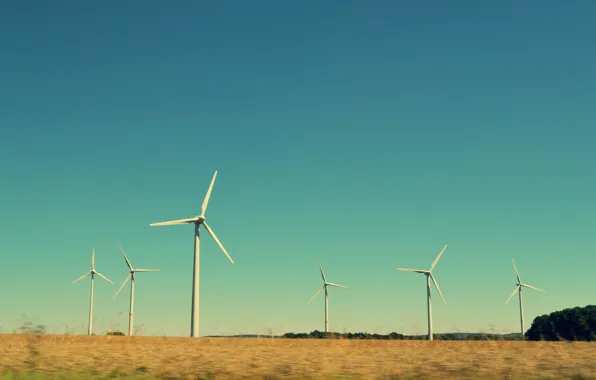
(518, 288)
(198, 221)
(325, 285)
(429, 276)
(131, 275)
(92, 272)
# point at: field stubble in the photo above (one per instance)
(265, 358)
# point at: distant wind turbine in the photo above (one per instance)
(131, 275)
(518, 288)
(92, 272)
(429, 276)
(325, 285)
(198, 221)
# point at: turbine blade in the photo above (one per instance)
(104, 277)
(512, 294)
(516, 272)
(82, 277)
(336, 285)
(217, 240)
(532, 287)
(148, 270)
(412, 270)
(316, 294)
(322, 273)
(208, 195)
(93, 259)
(437, 259)
(126, 258)
(438, 289)
(173, 222)
(121, 286)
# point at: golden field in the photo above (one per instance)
(266, 358)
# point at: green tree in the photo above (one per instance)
(28, 327)
(578, 323)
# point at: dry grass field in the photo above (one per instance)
(245, 358)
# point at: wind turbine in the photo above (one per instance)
(518, 288)
(92, 272)
(429, 276)
(198, 221)
(325, 285)
(131, 275)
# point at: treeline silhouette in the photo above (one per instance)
(396, 336)
(572, 324)
(578, 323)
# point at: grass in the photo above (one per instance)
(28, 356)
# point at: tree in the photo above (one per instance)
(578, 323)
(29, 327)
(396, 336)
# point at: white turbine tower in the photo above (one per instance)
(92, 272)
(518, 288)
(131, 275)
(198, 221)
(325, 285)
(429, 276)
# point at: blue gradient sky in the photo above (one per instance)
(368, 134)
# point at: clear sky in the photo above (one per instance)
(368, 134)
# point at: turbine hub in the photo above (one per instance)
(200, 220)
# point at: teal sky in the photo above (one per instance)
(368, 134)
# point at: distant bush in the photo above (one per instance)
(28, 327)
(115, 333)
(578, 323)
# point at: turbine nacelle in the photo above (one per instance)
(519, 285)
(199, 220)
(93, 272)
(325, 284)
(132, 271)
(428, 273)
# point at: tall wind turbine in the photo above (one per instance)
(131, 275)
(429, 276)
(518, 288)
(325, 285)
(198, 221)
(92, 272)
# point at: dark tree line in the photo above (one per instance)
(396, 336)
(573, 324)
(578, 323)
